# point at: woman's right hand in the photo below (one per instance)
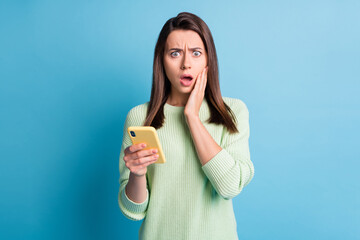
(137, 159)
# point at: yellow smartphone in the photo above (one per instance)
(148, 135)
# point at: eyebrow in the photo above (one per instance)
(179, 49)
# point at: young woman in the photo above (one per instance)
(204, 137)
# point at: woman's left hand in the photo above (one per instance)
(196, 97)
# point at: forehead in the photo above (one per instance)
(180, 38)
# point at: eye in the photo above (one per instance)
(175, 54)
(197, 53)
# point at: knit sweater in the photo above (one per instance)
(186, 200)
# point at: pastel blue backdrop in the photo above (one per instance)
(71, 70)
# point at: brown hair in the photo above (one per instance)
(220, 113)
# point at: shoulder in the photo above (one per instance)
(138, 109)
(137, 114)
(236, 105)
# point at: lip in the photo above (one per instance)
(185, 82)
(186, 75)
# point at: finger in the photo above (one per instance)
(149, 163)
(202, 79)
(144, 160)
(203, 86)
(144, 165)
(198, 81)
(134, 148)
(140, 154)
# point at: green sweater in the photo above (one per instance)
(186, 200)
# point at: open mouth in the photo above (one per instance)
(186, 77)
(186, 80)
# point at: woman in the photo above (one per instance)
(204, 137)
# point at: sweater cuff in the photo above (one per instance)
(133, 206)
(218, 166)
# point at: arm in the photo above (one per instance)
(206, 147)
(133, 194)
(136, 188)
(228, 167)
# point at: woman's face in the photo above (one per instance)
(184, 54)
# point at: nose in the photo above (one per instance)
(186, 63)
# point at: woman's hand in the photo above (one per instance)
(137, 160)
(193, 104)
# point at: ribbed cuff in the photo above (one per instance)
(218, 166)
(133, 206)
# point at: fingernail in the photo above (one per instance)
(143, 145)
(155, 151)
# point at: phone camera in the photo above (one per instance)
(132, 133)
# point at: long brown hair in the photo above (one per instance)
(220, 113)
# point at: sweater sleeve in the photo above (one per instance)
(231, 169)
(132, 210)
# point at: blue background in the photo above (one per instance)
(71, 70)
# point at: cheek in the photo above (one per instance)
(201, 64)
(199, 69)
(167, 67)
(169, 71)
(170, 68)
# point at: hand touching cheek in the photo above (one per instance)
(197, 94)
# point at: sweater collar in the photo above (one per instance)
(180, 109)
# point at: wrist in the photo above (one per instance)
(137, 176)
(191, 116)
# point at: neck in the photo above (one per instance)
(179, 101)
